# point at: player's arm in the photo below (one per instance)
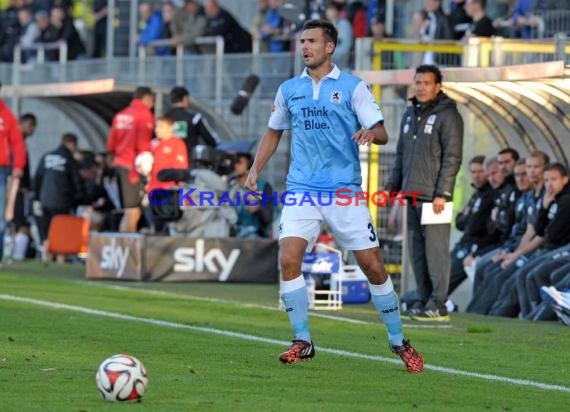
(369, 116)
(267, 146)
(279, 120)
(522, 250)
(204, 130)
(527, 236)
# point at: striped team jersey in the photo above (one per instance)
(322, 118)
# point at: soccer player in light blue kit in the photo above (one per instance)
(329, 113)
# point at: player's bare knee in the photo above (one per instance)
(290, 264)
(376, 274)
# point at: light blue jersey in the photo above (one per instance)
(323, 118)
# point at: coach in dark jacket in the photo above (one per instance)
(428, 158)
(190, 126)
(57, 185)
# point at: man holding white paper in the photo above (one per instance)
(428, 158)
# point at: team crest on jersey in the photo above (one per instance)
(336, 96)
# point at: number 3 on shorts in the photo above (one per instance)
(372, 236)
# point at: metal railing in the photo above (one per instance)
(39, 58)
(475, 52)
(216, 41)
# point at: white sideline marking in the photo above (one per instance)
(244, 336)
(254, 306)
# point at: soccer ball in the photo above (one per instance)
(121, 378)
(144, 162)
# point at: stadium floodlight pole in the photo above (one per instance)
(110, 46)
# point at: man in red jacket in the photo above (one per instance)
(130, 134)
(12, 160)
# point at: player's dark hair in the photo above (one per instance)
(69, 138)
(329, 30)
(430, 68)
(557, 166)
(539, 154)
(521, 161)
(511, 151)
(29, 117)
(142, 91)
(166, 119)
(479, 159)
(178, 93)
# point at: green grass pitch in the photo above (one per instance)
(49, 356)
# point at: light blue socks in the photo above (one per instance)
(296, 300)
(387, 304)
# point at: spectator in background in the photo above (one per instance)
(501, 12)
(13, 159)
(521, 20)
(28, 123)
(253, 221)
(356, 15)
(341, 54)
(39, 5)
(100, 12)
(58, 186)
(29, 33)
(459, 19)
(48, 34)
(315, 9)
(378, 30)
(275, 29)
(167, 14)
(67, 32)
(188, 24)
(189, 126)
(10, 32)
(130, 134)
(151, 23)
(437, 29)
(258, 23)
(482, 25)
(221, 23)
